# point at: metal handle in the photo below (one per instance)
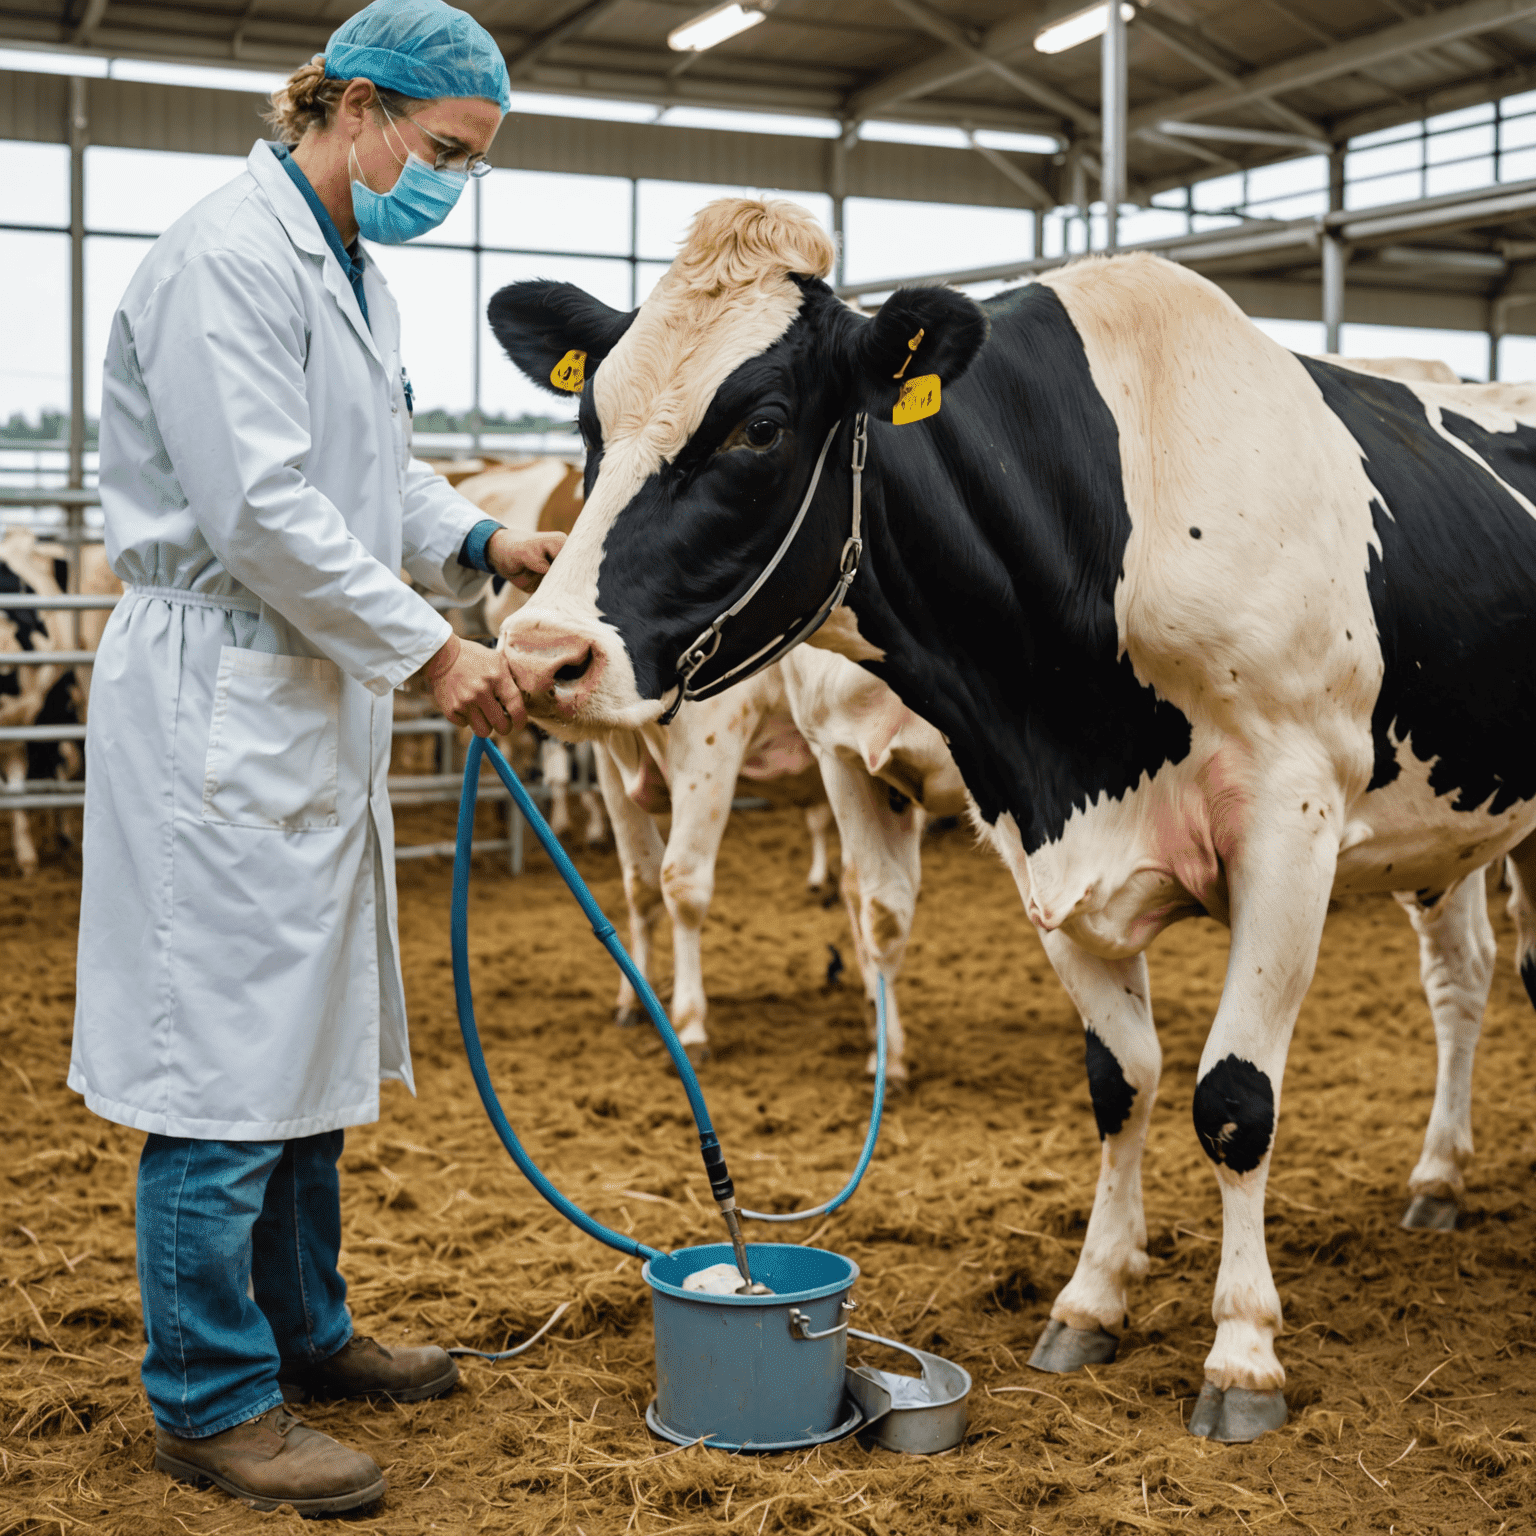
(800, 1324)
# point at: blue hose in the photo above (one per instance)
(714, 1162)
(870, 1136)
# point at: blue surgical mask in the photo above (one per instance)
(421, 198)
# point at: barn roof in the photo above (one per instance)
(1319, 70)
(1213, 85)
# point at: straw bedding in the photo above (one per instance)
(1412, 1357)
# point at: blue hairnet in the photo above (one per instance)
(421, 48)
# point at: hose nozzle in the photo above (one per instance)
(738, 1243)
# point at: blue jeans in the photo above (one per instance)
(237, 1249)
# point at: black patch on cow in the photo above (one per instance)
(1528, 976)
(44, 758)
(834, 966)
(538, 322)
(1235, 1114)
(27, 624)
(700, 530)
(1453, 590)
(997, 535)
(1112, 1096)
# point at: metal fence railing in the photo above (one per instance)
(442, 787)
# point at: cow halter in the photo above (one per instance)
(708, 642)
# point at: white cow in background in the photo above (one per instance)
(883, 770)
(47, 694)
(537, 496)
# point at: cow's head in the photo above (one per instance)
(703, 413)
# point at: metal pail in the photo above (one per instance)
(759, 1373)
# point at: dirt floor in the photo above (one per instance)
(1412, 1357)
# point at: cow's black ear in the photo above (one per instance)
(917, 331)
(541, 324)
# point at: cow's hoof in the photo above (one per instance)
(697, 1052)
(1062, 1349)
(628, 1016)
(1236, 1416)
(1430, 1213)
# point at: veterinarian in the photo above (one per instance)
(239, 990)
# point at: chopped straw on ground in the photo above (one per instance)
(1412, 1357)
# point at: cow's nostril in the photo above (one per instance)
(575, 671)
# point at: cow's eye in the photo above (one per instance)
(762, 433)
(759, 433)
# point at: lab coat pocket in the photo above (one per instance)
(272, 742)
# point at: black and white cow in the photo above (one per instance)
(1209, 627)
(34, 695)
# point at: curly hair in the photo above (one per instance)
(306, 99)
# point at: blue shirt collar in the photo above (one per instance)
(352, 260)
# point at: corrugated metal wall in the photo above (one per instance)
(135, 116)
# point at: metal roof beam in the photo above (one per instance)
(94, 11)
(1038, 197)
(943, 69)
(594, 10)
(1223, 134)
(1027, 85)
(1451, 25)
(1195, 49)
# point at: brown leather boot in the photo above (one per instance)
(364, 1368)
(275, 1459)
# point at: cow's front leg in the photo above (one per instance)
(818, 818)
(640, 849)
(706, 758)
(1124, 1063)
(21, 827)
(596, 833)
(1280, 876)
(881, 836)
(1456, 960)
(555, 770)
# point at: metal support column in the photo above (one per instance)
(634, 255)
(78, 126)
(475, 414)
(1333, 259)
(838, 182)
(1333, 291)
(1113, 87)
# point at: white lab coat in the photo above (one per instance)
(238, 974)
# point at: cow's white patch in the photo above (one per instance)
(726, 298)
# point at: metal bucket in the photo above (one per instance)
(920, 1415)
(753, 1373)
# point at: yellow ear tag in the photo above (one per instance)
(919, 398)
(570, 373)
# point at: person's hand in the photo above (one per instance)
(523, 562)
(473, 686)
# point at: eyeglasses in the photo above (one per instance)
(450, 159)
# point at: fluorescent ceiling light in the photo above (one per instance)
(939, 135)
(49, 62)
(538, 104)
(750, 122)
(199, 76)
(1077, 28)
(1020, 143)
(714, 26)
